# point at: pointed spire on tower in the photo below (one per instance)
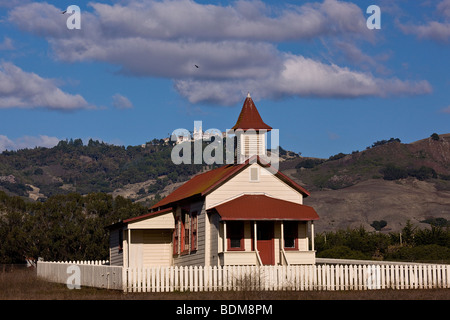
(249, 117)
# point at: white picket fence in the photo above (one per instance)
(263, 278)
(298, 278)
(98, 274)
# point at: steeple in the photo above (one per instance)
(250, 132)
(249, 117)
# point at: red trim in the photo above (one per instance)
(194, 231)
(241, 248)
(242, 240)
(176, 237)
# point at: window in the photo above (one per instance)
(194, 226)
(235, 235)
(185, 226)
(254, 174)
(290, 235)
(176, 236)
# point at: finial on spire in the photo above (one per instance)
(248, 95)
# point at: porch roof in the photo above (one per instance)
(262, 207)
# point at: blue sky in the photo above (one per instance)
(316, 72)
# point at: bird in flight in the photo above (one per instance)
(196, 66)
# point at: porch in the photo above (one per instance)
(261, 243)
(261, 230)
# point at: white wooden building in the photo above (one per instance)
(246, 213)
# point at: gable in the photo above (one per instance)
(245, 183)
(161, 220)
(206, 183)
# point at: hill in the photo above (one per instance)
(96, 167)
(389, 182)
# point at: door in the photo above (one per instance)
(265, 244)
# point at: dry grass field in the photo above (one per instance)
(24, 285)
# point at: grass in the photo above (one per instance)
(25, 285)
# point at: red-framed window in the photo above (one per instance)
(194, 227)
(290, 229)
(185, 233)
(235, 235)
(176, 235)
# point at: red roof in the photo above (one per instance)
(261, 207)
(249, 117)
(204, 183)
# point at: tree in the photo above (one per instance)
(378, 225)
(392, 172)
(435, 136)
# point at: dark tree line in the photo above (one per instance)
(65, 227)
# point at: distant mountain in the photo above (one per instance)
(390, 181)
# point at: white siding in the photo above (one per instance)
(115, 254)
(302, 236)
(157, 247)
(151, 247)
(161, 221)
(268, 184)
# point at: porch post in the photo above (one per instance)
(255, 238)
(224, 236)
(128, 245)
(282, 235)
(312, 235)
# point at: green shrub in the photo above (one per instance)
(425, 253)
(342, 252)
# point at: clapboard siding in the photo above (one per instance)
(161, 221)
(214, 219)
(197, 257)
(157, 247)
(240, 184)
(115, 254)
(303, 236)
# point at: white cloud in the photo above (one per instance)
(303, 77)
(121, 102)
(235, 46)
(20, 89)
(438, 31)
(27, 142)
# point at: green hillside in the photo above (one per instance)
(96, 167)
